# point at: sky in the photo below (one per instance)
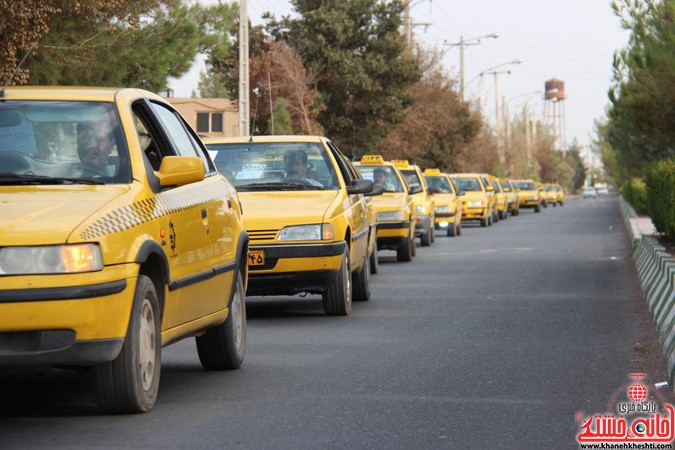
(571, 40)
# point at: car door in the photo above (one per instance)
(197, 215)
(357, 210)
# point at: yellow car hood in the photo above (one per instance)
(473, 195)
(389, 202)
(263, 210)
(443, 199)
(43, 215)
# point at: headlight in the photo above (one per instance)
(307, 233)
(390, 215)
(442, 209)
(421, 209)
(50, 259)
(476, 203)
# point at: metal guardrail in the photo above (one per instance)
(656, 269)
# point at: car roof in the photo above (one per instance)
(267, 138)
(72, 93)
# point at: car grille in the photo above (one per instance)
(262, 235)
(270, 263)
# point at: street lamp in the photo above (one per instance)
(461, 44)
(492, 70)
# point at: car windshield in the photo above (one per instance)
(525, 185)
(382, 175)
(440, 183)
(505, 186)
(411, 178)
(467, 184)
(275, 166)
(61, 142)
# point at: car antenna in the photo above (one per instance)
(255, 112)
(11, 77)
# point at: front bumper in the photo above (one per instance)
(73, 319)
(443, 220)
(422, 224)
(392, 235)
(294, 268)
(474, 212)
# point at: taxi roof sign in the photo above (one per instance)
(432, 172)
(400, 162)
(372, 159)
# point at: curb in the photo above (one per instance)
(656, 269)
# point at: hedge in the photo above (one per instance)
(660, 182)
(634, 191)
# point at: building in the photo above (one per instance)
(210, 117)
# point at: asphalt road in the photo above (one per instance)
(494, 339)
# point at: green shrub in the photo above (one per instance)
(635, 193)
(660, 181)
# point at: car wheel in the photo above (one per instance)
(413, 245)
(374, 261)
(484, 222)
(361, 282)
(562, 203)
(425, 239)
(432, 230)
(459, 229)
(537, 208)
(337, 297)
(490, 221)
(404, 253)
(452, 230)
(222, 347)
(129, 383)
(495, 216)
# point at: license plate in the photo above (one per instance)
(256, 257)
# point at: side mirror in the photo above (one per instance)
(378, 189)
(433, 190)
(360, 187)
(489, 188)
(415, 189)
(180, 170)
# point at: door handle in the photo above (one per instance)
(204, 214)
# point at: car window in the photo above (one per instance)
(505, 186)
(441, 183)
(411, 178)
(54, 140)
(382, 175)
(525, 185)
(275, 165)
(467, 184)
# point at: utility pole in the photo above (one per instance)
(244, 105)
(408, 23)
(461, 44)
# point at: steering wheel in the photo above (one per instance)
(17, 162)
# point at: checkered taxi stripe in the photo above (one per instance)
(164, 203)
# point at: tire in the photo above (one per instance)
(495, 216)
(130, 382)
(337, 297)
(554, 204)
(516, 212)
(223, 347)
(405, 253)
(413, 245)
(452, 230)
(490, 221)
(537, 208)
(432, 230)
(545, 204)
(425, 239)
(374, 261)
(562, 203)
(484, 222)
(361, 282)
(459, 229)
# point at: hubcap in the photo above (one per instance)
(148, 349)
(237, 319)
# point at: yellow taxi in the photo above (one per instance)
(501, 201)
(424, 204)
(306, 213)
(118, 237)
(528, 194)
(560, 194)
(511, 196)
(551, 194)
(448, 215)
(394, 208)
(476, 205)
(543, 198)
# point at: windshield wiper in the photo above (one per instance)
(9, 178)
(277, 186)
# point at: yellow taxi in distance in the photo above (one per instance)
(306, 214)
(551, 194)
(476, 205)
(511, 196)
(501, 202)
(448, 204)
(542, 194)
(394, 208)
(424, 204)
(118, 237)
(528, 194)
(560, 194)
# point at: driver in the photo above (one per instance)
(95, 143)
(297, 167)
